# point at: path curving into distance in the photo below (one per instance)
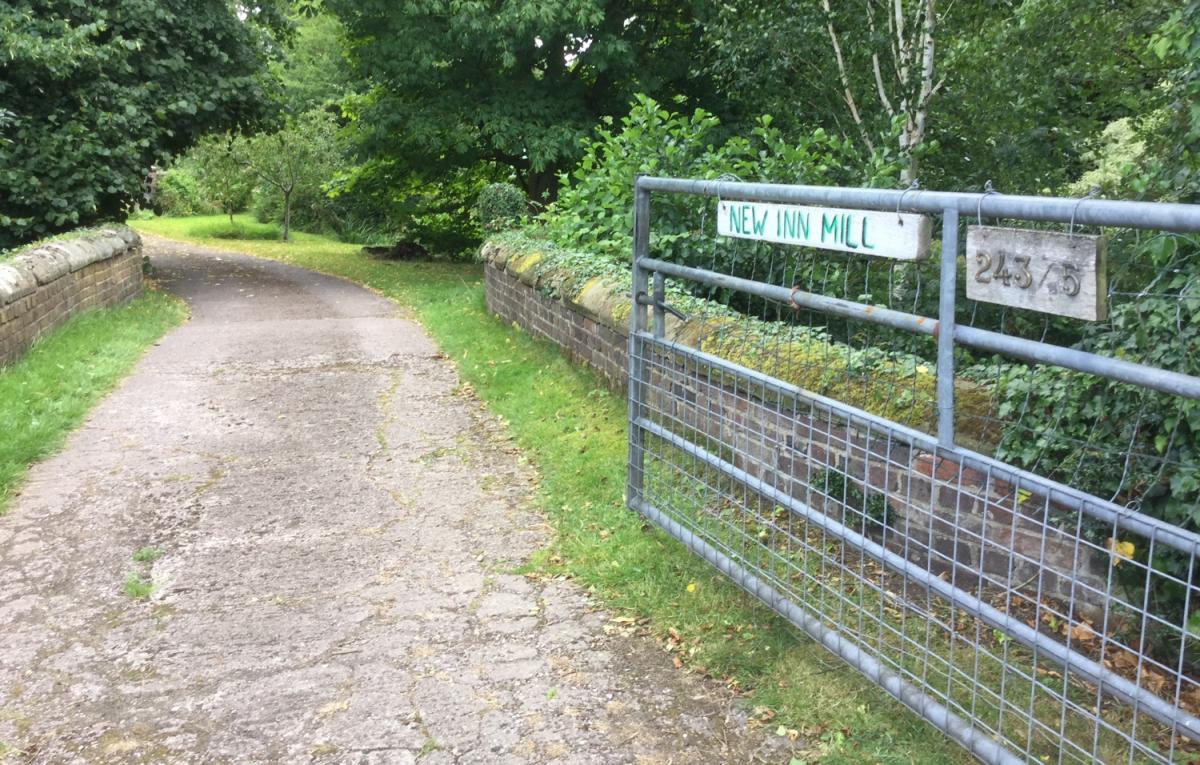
(338, 526)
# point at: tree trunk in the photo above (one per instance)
(287, 215)
(541, 186)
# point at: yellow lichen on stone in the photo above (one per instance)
(520, 263)
(605, 302)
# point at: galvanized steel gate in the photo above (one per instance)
(898, 575)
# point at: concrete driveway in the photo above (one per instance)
(330, 527)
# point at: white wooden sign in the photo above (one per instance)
(879, 234)
(1043, 271)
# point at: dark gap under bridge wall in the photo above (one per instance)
(974, 527)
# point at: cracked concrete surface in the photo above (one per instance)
(338, 528)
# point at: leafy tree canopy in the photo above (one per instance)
(93, 93)
(518, 83)
(1020, 89)
(293, 161)
(315, 72)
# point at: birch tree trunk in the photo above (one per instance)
(905, 88)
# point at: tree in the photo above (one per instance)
(902, 63)
(94, 94)
(315, 71)
(516, 83)
(224, 178)
(1174, 133)
(296, 159)
(1015, 91)
(1028, 97)
(866, 70)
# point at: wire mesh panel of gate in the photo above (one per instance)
(988, 511)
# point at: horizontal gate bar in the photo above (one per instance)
(1098, 212)
(1072, 499)
(1106, 680)
(845, 308)
(1069, 358)
(977, 741)
(1161, 380)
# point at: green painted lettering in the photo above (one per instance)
(760, 224)
(747, 217)
(802, 219)
(831, 225)
(848, 231)
(865, 243)
(735, 224)
(785, 224)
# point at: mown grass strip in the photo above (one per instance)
(574, 430)
(46, 393)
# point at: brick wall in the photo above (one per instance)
(957, 521)
(584, 337)
(42, 288)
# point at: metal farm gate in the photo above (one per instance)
(932, 497)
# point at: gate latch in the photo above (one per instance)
(644, 299)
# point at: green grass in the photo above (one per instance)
(46, 393)
(574, 431)
(137, 586)
(147, 554)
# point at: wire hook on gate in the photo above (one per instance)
(914, 186)
(725, 178)
(792, 299)
(988, 189)
(1093, 192)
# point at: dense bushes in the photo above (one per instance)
(177, 191)
(500, 206)
(92, 95)
(594, 209)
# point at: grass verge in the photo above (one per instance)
(574, 430)
(47, 392)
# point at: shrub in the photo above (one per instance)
(177, 192)
(501, 206)
(594, 209)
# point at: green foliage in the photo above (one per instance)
(1030, 89)
(868, 511)
(137, 586)
(594, 212)
(515, 83)
(177, 191)
(292, 165)
(94, 94)
(1025, 87)
(1174, 172)
(501, 206)
(315, 71)
(222, 174)
(388, 201)
(147, 554)
(46, 393)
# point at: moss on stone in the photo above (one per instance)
(900, 387)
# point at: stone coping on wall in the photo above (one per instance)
(810, 363)
(44, 285)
